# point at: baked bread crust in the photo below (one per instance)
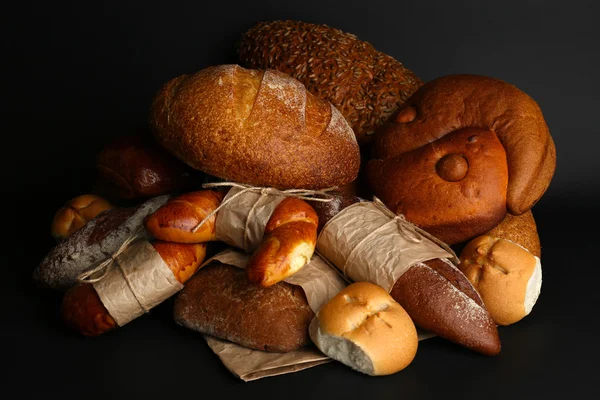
(257, 127)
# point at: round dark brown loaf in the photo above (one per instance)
(257, 127)
(366, 85)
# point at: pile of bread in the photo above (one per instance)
(323, 123)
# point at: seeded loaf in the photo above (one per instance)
(95, 241)
(219, 301)
(257, 127)
(366, 85)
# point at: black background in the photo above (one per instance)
(77, 74)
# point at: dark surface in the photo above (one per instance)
(77, 75)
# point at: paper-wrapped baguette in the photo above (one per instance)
(435, 293)
(83, 309)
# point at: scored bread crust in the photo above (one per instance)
(502, 272)
(257, 127)
(363, 327)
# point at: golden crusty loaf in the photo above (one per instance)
(364, 328)
(507, 276)
(453, 102)
(257, 127)
(366, 85)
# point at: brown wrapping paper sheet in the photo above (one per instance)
(136, 282)
(365, 244)
(241, 222)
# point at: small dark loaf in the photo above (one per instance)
(366, 85)
(219, 301)
(136, 167)
(94, 242)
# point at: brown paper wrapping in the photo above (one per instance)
(320, 283)
(241, 222)
(135, 282)
(367, 244)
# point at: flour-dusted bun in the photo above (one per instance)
(364, 328)
(260, 127)
(507, 276)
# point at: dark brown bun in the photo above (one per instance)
(257, 127)
(136, 167)
(366, 85)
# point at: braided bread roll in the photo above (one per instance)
(289, 243)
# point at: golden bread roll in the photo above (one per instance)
(365, 329)
(507, 276)
(76, 213)
(175, 220)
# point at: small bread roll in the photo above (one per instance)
(76, 213)
(506, 275)
(364, 328)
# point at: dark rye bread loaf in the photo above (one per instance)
(94, 242)
(219, 301)
(440, 299)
